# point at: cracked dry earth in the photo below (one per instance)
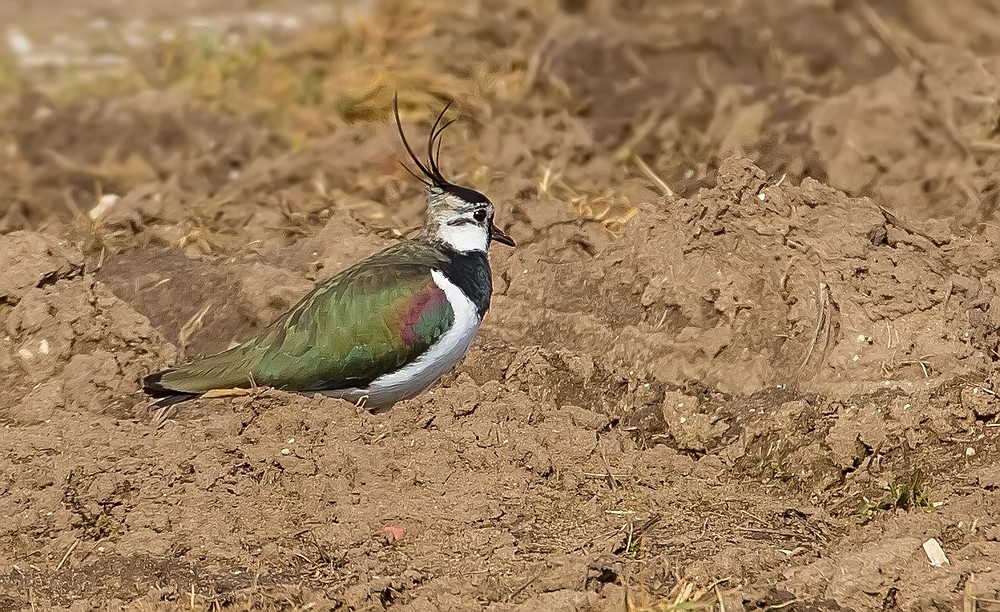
(772, 387)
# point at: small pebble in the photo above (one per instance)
(106, 203)
(285, 451)
(394, 532)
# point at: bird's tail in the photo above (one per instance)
(167, 397)
(226, 370)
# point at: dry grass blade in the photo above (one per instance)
(659, 182)
(69, 552)
(160, 418)
(640, 133)
(191, 326)
(888, 35)
(821, 319)
(236, 392)
(684, 596)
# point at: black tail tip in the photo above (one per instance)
(152, 386)
(176, 398)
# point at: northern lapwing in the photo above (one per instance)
(381, 331)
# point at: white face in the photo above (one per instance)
(464, 237)
(465, 227)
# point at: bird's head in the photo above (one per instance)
(458, 217)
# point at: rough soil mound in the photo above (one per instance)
(724, 388)
(742, 357)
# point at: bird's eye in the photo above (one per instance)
(479, 216)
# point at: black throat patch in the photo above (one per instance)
(470, 272)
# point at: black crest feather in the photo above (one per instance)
(432, 176)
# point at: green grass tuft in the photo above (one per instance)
(909, 492)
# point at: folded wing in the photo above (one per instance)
(369, 320)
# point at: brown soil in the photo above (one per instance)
(766, 391)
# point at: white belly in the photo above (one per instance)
(418, 376)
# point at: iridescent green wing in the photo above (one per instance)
(366, 321)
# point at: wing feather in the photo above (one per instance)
(366, 321)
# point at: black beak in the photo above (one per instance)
(501, 236)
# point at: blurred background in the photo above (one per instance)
(221, 107)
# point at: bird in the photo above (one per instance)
(382, 330)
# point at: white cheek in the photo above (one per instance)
(465, 237)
